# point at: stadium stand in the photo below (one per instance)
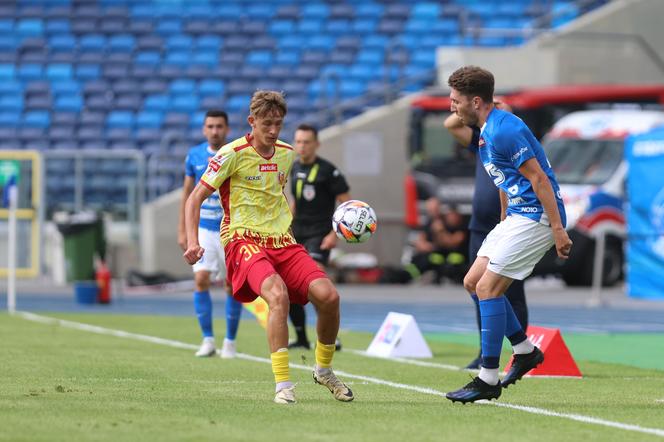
(114, 74)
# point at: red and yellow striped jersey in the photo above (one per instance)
(251, 191)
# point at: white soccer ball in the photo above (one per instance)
(354, 221)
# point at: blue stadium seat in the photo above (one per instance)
(208, 58)
(9, 119)
(316, 11)
(149, 119)
(120, 119)
(148, 58)
(369, 10)
(338, 26)
(199, 11)
(57, 27)
(86, 72)
(426, 10)
(122, 43)
(180, 58)
(183, 86)
(92, 42)
(59, 72)
(65, 86)
(179, 42)
(258, 11)
(238, 103)
(60, 43)
(209, 43)
(259, 58)
(36, 119)
(281, 27)
(12, 102)
(292, 42)
(184, 103)
(30, 72)
(68, 103)
(159, 103)
(29, 27)
(211, 87)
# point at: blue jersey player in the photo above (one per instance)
(215, 130)
(533, 220)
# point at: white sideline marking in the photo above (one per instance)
(425, 390)
(406, 361)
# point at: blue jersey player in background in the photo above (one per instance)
(215, 130)
(533, 219)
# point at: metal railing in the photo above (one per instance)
(81, 171)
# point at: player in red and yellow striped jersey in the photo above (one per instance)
(262, 257)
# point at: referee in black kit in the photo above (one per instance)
(317, 186)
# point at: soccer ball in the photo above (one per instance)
(354, 221)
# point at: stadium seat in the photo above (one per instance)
(36, 119)
(120, 119)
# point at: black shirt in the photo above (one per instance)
(486, 201)
(315, 188)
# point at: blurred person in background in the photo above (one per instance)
(439, 246)
(317, 187)
(212, 263)
(485, 216)
(263, 258)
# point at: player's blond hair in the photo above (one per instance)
(265, 103)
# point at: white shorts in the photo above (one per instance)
(515, 246)
(213, 259)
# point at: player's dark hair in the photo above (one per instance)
(473, 81)
(215, 113)
(308, 128)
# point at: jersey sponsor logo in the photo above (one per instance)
(528, 209)
(515, 201)
(270, 167)
(200, 166)
(253, 178)
(496, 174)
(519, 153)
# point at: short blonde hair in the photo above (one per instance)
(264, 103)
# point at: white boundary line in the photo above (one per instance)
(425, 390)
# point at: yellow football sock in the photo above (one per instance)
(324, 354)
(280, 365)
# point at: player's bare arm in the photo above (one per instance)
(542, 188)
(187, 188)
(462, 133)
(330, 240)
(192, 213)
(503, 204)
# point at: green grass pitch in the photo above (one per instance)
(58, 383)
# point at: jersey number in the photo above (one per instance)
(496, 174)
(249, 250)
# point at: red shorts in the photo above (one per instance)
(248, 265)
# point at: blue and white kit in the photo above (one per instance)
(211, 213)
(516, 244)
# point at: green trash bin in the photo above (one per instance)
(83, 235)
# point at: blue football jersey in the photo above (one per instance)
(505, 144)
(195, 166)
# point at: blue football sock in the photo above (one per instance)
(233, 313)
(203, 307)
(513, 329)
(493, 330)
